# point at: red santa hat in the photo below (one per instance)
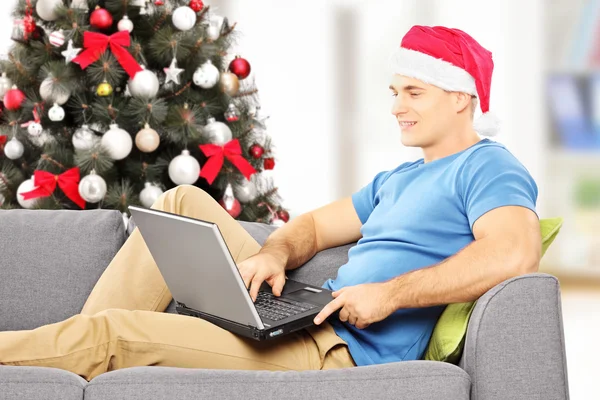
(451, 60)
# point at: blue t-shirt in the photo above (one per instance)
(415, 216)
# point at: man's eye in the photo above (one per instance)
(415, 94)
(394, 94)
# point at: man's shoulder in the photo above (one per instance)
(490, 154)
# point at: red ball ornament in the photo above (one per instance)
(13, 99)
(159, 3)
(196, 5)
(256, 150)
(101, 19)
(283, 215)
(240, 67)
(234, 208)
(269, 163)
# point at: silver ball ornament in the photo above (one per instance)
(184, 18)
(117, 142)
(218, 132)
(125, 24)
(14, 149)
(147, 140)
(144, 85)
(46, 9)
(5, 84)
(150, 194)
(184, 169)
(92, 187)
(206, 76)
(2, 199)
(24, 187)
(52, 93)
(247, 191)
(84, 138)
(35, 129)
(56, 113)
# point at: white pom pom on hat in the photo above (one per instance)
(451, 60)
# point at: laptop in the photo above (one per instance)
(205, 282)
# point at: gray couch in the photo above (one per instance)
(50, 261)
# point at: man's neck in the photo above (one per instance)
(451, 145)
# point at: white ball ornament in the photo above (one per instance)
(53, 94)
(125, 24)
(206, 76)
(184, 169)
(144, 84)
(35, 129)
(56, 113)
(117, 142)
(92, 187)
(84, 138)
(184, 18)
(147, 140)
(13, 149)
(149, 194)
(46, 9)
(24, 187)
(218, 132)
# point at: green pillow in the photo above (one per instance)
(449, 334)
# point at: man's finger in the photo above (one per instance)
(255, 286)
(278, 285)
(328, 310)
(338, 292)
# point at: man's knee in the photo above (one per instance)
(186, 193)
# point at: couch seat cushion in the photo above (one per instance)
(414, 380)
(34, 383)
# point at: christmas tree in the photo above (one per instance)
(108, 103)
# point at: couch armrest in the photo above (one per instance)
(514, 347)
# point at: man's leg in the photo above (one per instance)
(113, 339)
(132, 280)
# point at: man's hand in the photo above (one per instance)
(262, 267)
(360, 305)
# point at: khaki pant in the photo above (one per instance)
(123, 324)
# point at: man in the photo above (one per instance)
(443, 229)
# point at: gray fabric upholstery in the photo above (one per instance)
(50, 262)
(27, 383)
(414, 380)
(515, 346)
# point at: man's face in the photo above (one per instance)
(424, 112)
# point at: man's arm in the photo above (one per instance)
(332, 225)
(507, 243)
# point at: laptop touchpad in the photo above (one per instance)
(311, 295)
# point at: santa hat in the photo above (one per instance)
(451, 60)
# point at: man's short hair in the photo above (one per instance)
(474, 104)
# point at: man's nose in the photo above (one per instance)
(399, 108)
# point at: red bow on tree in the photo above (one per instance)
(3, 139)
(96, 44)
(216, 155)
(46, 182)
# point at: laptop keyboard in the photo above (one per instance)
(274, 308)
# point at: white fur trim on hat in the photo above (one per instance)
(431, 70)
(487, 124)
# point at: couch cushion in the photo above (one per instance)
(34, 383)
(50, 262)
(413, 380)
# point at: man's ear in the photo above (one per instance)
(462, 102)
